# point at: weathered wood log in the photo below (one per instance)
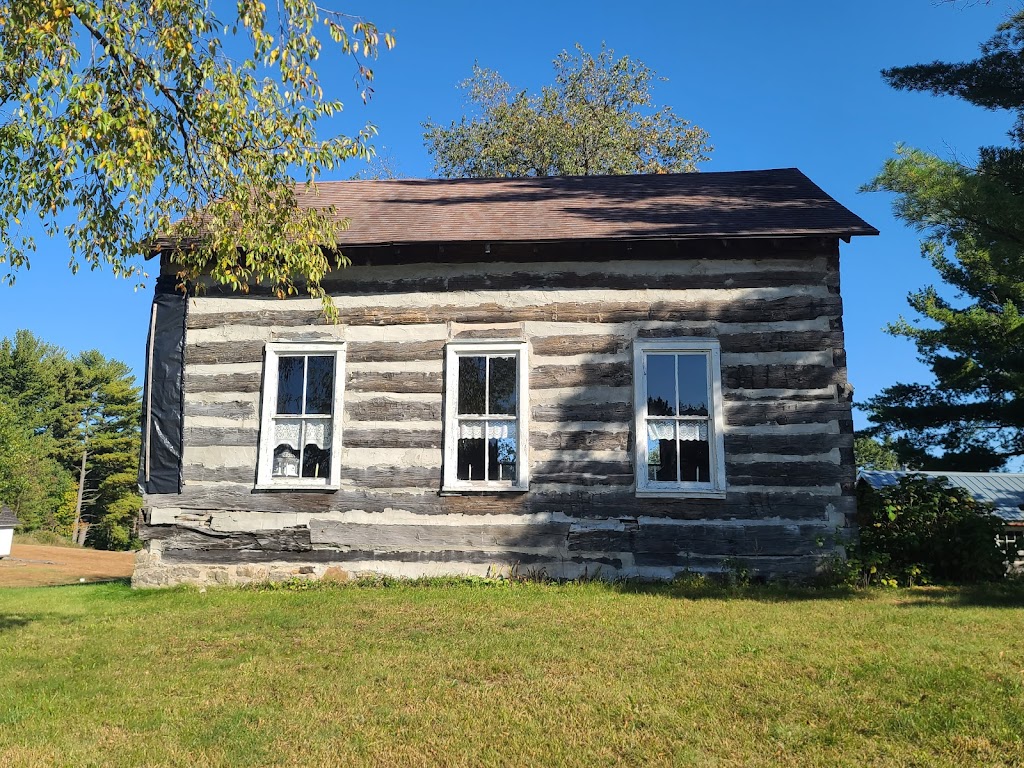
(618, 374)
(589, 344)
(393, 477)
(498, 559)
(235, 409)
(765, 310)
(792, 445)
(199, 473)
(394, 351)
(663, 544)
(223, 382)
(397, 538)
(489, 333)
(580, 503)
(213, 352)
(414, 382)
(601, 412)
(790, 473)
(386, 409)
(784, 412)
(780, 376)
(580, 440)
(201, 437)
(392, 438)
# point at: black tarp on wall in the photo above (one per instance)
(163, 396)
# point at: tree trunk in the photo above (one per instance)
(81, 493)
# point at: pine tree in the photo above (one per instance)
(972, 218)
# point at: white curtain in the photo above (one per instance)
(477, 430)
(688, 430)
(287, 432)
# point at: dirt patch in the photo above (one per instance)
(31, 565)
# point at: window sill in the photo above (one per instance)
(480, 490)
(296, 487)
(679, 493)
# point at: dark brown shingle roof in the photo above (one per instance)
(768, 203)
(7, 518)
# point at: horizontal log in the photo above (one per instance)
(605, 412)
(568, 280)
(784, 412)
(664, 544)
(296, 539)
(200, 473)
(781, 341)
(235, 409)
(394, 351)
(391, 438)
(726, 311)
(503, 560)
(582, 440)
(780, 376)
(200, 437)
(617, 374)
(372, 438)
(574, 503)
(223, 382)
(583, 344)
(393, 477)
(413, 382)
(791, 445)
(213, 352)
(418, 538)
(787, 473)
(386, 409)
(487, 332)
(251, 351)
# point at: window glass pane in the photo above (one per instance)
(316, 461)
(471, 458)
(319, 384)
(289, 384)
(472, 382)
(695, 460)
(286, 461)
(661, 385)
(502, 385)
(502, 450)
(693, 385)
(661, 451)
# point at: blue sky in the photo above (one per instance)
(777, 84)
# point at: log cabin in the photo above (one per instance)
(589, 377)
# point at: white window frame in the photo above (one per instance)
(273, 351)
(716, 487)
(453, 351)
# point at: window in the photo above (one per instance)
(678, 406)
(300, 434)
(485, 417)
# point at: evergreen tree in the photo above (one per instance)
(597, 118)
(972, 218)
(69, 441)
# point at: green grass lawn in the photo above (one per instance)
(517, 675)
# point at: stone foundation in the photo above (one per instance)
(151, 571)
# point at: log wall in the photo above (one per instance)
(788, 427)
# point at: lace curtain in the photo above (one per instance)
(288, 431)
(688, 430)
(478, 430)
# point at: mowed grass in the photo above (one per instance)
(516, 675)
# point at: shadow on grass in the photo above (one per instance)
(9, 621)
(1008, 594)
(714, 590)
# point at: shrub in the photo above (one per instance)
(924, 530)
